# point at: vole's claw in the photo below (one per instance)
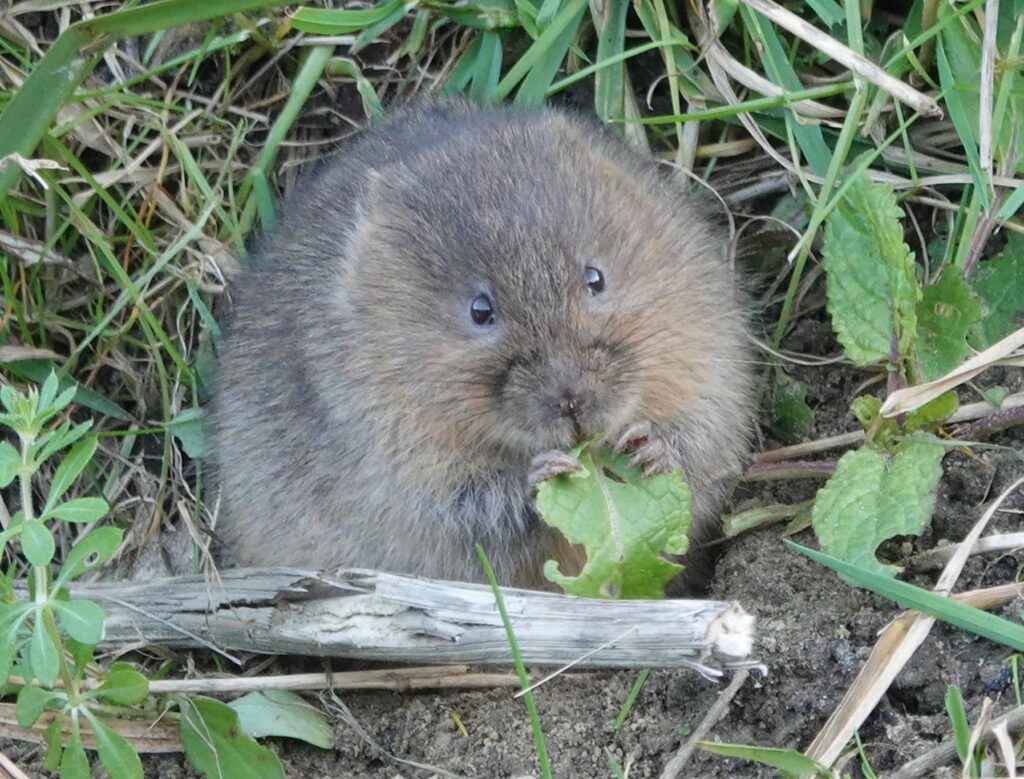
(550, 464)
(645, 448)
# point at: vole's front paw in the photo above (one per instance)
(550, 464)
(645, 448)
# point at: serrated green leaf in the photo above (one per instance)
(869, 274)
(283, 713)
(79, 510)
(116, 754)
(89, 553)
(37, 542)
(44, 655)
(1000, 283)
(74, 764)
(215, 744)
(953, 612)
(82, 619)
(71, 466)
(788, 760)
(124, 685)
(32, 702)
(876, 494)
(946, 312)
(10, 461)
(623, 522)
(792, 419)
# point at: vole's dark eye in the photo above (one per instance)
(482, 310)
(594, 279)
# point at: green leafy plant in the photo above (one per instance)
(624, 522)
(47, 638)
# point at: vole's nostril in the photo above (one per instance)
(572, 405)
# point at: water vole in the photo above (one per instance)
(459, 295)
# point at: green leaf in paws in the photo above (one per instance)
(215, 744)
(947, 311)
(877, 493)
(869, 274)
(625, 524)
(792, 419)
(283, 713)
(1000, 283)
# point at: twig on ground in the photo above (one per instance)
(718, 710)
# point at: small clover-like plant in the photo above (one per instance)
(47, 638)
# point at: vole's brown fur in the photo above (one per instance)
(364, 419)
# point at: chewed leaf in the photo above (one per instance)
(876, 494)
(947, 311)
(869, 273)
(625, 523)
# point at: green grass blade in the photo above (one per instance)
(517, 660)
(73, 56)
(908, 596)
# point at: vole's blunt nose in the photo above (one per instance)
(573, 404)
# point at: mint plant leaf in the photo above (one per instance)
(869, 274)
(947, 311)
(623, 522)
(283, 713)
(877, 493)
(215, 744)
(1000, 283)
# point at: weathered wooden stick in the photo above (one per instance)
(377, 616)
